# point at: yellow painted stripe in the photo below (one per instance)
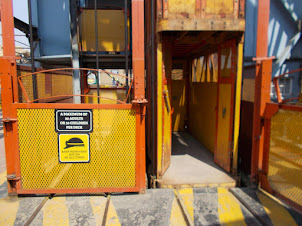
(181, 186)
(237, 107)
(55, 212)
(276, 212)
(8, 210)
(98, 205)
(159, 107)
(229, 209)
(112, 218)
(187, 196)
(3, 177)
(177, 217)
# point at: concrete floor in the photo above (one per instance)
(193, 164)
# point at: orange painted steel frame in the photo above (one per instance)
(228, 80)
(270, 110)
(9, 80)
(277, 87)
(262, 86)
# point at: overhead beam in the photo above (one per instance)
(24, 27)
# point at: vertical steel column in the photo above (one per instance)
(96, 30)
(138, 62)
(262, 86)
(262, 28)
(9, 95)
(75, 50)
(138, 52)
(8, 38)
(31, 40)
(126, 46)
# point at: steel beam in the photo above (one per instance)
(9, 95)
(138, 54)
(262, 28)
(7, 24)
(262, 86)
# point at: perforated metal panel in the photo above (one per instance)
(112, 152)
(47, 85)
(285, 155)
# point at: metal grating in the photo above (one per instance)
(47, 85)
(112, 152)
(285, 155)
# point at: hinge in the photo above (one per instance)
(11, 177)
(8, 120)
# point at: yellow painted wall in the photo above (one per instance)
(180, 6)
(111, 35)
(203, 114)
(219, 6)
(178, 103)
(112, 94)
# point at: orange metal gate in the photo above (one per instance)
(282, 157)
(115, 146)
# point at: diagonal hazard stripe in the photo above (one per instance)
(276, 212)
(187, 196)
(8, 210)
(2, 177)
(229, 209)
(177, 217)
(112, 218)
(98, 205)
(55, 212)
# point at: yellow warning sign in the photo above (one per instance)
(74, 148)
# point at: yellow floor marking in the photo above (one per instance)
(8, 210)
(181, 186)
(177, 217)
(187, 196)
(55, 212)
(112, 218)
(229, 209)
(276, 212)
(98, 204)
(3, 177)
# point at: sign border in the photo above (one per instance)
(74, 131)
(87, 134)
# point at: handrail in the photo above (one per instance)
(82, 95)
(61, 69)
(290, 99)
(277, 88)
(84, 69)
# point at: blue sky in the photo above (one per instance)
(21, 12)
